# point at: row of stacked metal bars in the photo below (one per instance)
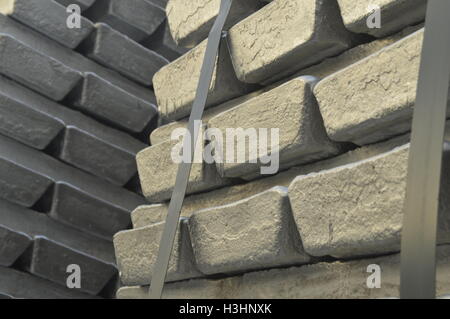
(418, 268)
(215, 254)
(78, 105)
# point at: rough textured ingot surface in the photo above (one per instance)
(176, 83)
(157, 172)
(150, 214)
(263, 48)
(190, 21)
(379, 102)
(357, 209)
(137, 249)
(254, 233)
(146, 215)
(292, 110)
(394, 15)
(163, 133)
(331, 280)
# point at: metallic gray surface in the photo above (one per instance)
(418, 248)
(184, 169)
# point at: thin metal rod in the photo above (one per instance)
(418, 247)
(184, 169)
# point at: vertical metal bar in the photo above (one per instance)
(418, 247)
(184, 169)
